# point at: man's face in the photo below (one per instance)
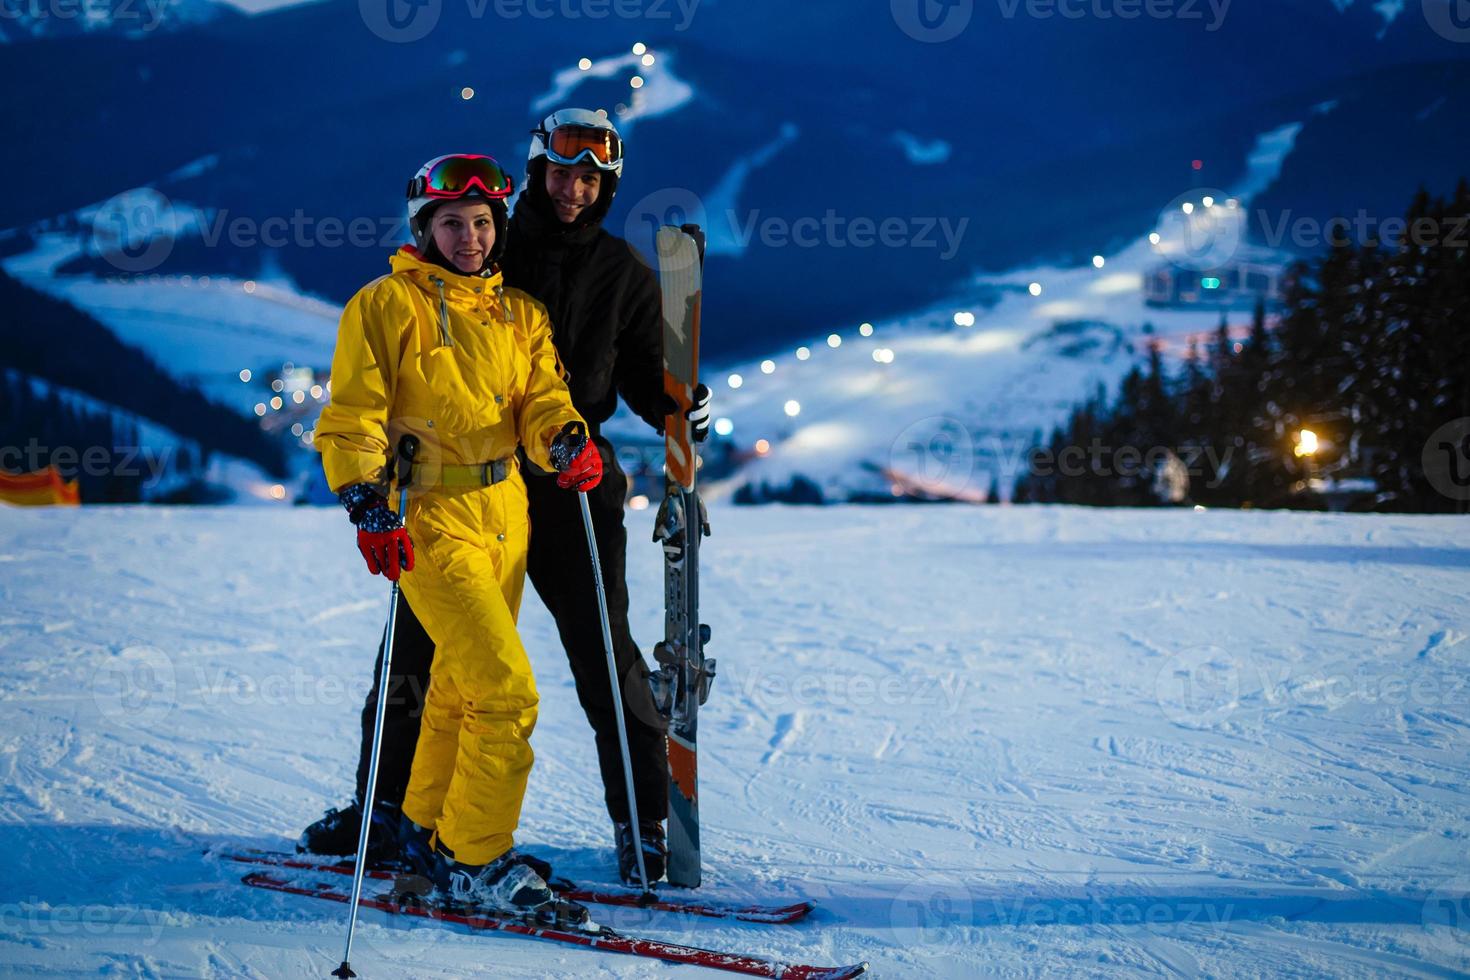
(572, 189)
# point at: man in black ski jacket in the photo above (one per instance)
(605, 307)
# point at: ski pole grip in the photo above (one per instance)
(408, 448)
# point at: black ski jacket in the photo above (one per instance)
(605, 308)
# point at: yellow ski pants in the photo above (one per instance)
(474, 752)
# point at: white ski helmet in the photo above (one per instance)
(452, 177)
(571, 136)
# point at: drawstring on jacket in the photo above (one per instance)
(504, 306)
(444, 309)
(443, 313)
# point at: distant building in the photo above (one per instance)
(1250, 276)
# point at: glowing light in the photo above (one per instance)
(639, 502)
(278, 492)
(803, 353)
(866, 330)
(466, 93)
(1154, 239)
(297, 429)
(260, 408)
(1208, 202)
(762, 447)
(792, 408)
(964, 318)
(648, 61)
(883, 355)
(1034, 289)
(1210, 282)
(1188, 207)
(834, 341)
(298, 397)
(1198, 164)
(249, 286)
(1306, 443)
(734, 381)
(602, 113)
(278, 385)
(1232, 204)
(1098, 261)
(276, 402)
(636, 81)
(245, 375)
(768, 367)
(1199, 508)
(640, 48)
(316, 391)
(723, 427)
(309, 438)
(585, 64)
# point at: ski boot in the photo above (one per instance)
(655, 851)
(506, 886)
(336, 833)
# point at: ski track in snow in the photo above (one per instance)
(989, 741)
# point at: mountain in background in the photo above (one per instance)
(1038, 138)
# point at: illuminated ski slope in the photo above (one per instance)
(989, 741)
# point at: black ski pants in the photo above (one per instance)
(561, 573)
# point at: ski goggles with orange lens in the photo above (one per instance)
(456, 176)
(572, 144)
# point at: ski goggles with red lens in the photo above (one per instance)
(458, 175)
(572, 144)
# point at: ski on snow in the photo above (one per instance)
(592, 938)
(761, 914)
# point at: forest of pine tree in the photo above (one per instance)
(48, 339)
(1371, 354)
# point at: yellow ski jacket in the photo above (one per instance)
(462, 362)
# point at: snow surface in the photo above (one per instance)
(989, 741)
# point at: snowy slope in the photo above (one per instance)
(998, 741)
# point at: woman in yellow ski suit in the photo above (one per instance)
(468, 367)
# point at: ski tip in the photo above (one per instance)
(344, 971)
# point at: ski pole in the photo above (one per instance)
(617, 692)
(408, 448)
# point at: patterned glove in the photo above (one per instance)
(381, 536)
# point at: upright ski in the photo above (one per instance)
(681, 683)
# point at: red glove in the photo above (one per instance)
(577, 461)
(585, 471)
(381, 537)
(379, 548)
